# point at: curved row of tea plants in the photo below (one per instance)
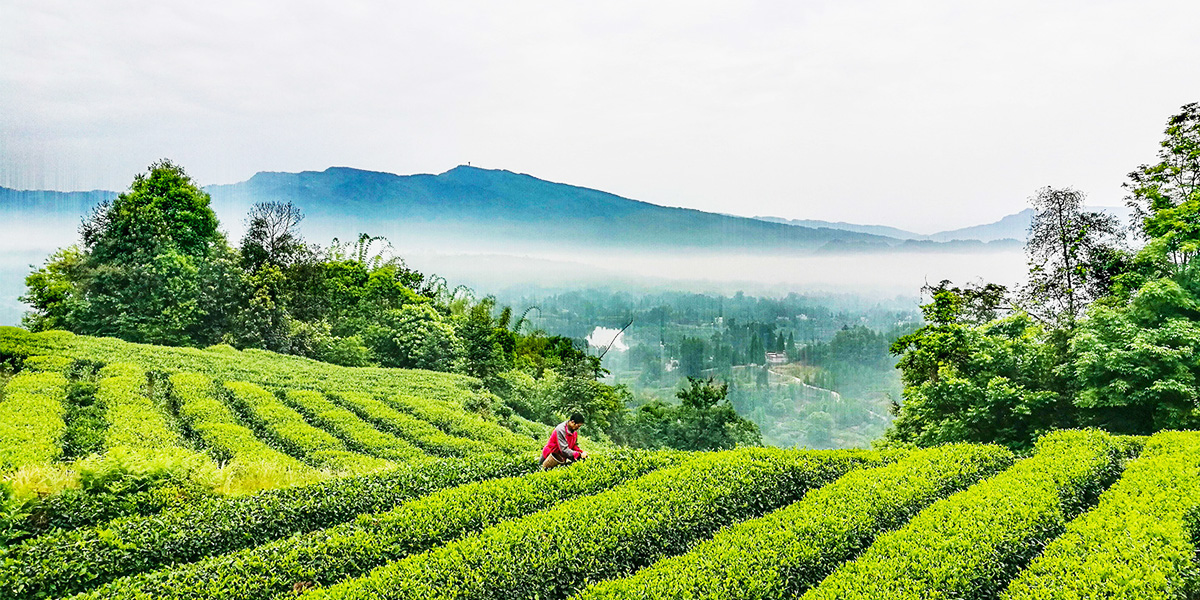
(222, 433)
(358, 435)
(224, 363)
(31, 419)
(1136, 542)
(455, 420)
(348, 550)
(297, 437)
(422, 434)
(556, 552)
(134, 421)
(973, 543)
(789, 550)
(71, 561)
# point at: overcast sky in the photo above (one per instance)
(924, 115)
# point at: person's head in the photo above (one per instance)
(575, 422)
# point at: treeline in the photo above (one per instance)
(153, 267)
(1105, 333)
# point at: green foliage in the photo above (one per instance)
(1136, 364)
(217, 427)
(1165, 196)
(415, 336)
(31, 419)
(84, 417)
(351, 429)
(407, 427)
(327, 556)
(556, 552)
(704, 420)
(72, 561)
(789, 550)
(73, 508)
(1136, 543)
(51, 291)
(971, 544)
(122, 471)
(292, 434)
(452, 419)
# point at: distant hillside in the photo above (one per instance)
(883, 230)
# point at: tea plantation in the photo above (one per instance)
(184, 473)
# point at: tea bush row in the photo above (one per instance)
(456, 420)
(215, 425)
(134, 421)
(789, 550)
(348, 550)
(973, 543)
(72, 561)
(357, 434)
(556, 552)
(295, 436)
(1135, 543)
(31, 419)
(422, 434)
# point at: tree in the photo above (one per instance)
(1165, 196)
(705, 420)
(272, 236)
(1067, 247)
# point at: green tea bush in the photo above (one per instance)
(1135, 544)
(31, 419)
(348, 550)
(73, 508)
(556, 552)
(72, 561)
(403, 425)
(215, 425)
(357, 434)
(84, 416)
(973, 543)
(134, 420)
(48, 364)
(453, 419)
(793, 548)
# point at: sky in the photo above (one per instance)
(925, 115)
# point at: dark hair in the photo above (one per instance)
(577, 417)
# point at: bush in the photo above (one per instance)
(452, 419)
(422, 434)
(357, 434)
(72, 561)
(348, 550)
(1135, 543)
(553, 553)
(789, 550)
(31, 419)
(971, 544)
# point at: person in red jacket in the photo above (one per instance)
(563, 446)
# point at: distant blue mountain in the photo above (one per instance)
(480, 209)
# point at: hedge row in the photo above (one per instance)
(349, 550)
(220, 430)
(224, 363)
(556, 552)
(793, 548)
(973, 543)
(31, 419)
(295, 436)
(133, 419)
(456, 420)
(1135, 543)
(48, 364)
(356, 433)
(74, 508)
(422, 434)
(72, 561)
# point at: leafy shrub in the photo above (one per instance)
(31, 419)
(452, 419)
(403, 425)
(357, 434)
(348, 550)
(971, 544)
(72, 561)
(555, 552)
(1135, 543)
(789, 550)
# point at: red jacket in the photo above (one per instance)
(563, 441)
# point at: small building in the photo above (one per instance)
(776, 358)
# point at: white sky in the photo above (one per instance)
(924, 115)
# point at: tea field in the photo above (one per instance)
(269, 476)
